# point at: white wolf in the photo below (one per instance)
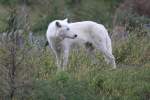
(61, 35)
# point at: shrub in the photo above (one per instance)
(132, 50)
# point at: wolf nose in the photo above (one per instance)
(75, 35)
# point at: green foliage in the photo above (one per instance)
(62, 77)
(123, 83)
(42, 24)
(83, 80)
(132, 50)
(8, 2)
(60, 87)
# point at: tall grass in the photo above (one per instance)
(85, 81)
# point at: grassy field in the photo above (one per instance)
(85, 81)
(82, 80)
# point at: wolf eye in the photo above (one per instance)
(68, 29)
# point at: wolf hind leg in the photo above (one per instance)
(107, 54)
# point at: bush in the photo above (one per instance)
(8, 2)
(132, 50)
(61, 87)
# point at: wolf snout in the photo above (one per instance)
(75, 35)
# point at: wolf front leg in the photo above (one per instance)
(58, 55)
(65, 57)
(58, 58)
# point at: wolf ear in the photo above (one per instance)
(66, 20)
(58, 24)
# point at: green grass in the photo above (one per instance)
(84, 81)
(131, 83)
(3, 17)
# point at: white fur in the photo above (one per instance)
(86, 31)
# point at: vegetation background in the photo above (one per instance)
(28, 70)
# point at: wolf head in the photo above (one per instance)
(63, 30)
